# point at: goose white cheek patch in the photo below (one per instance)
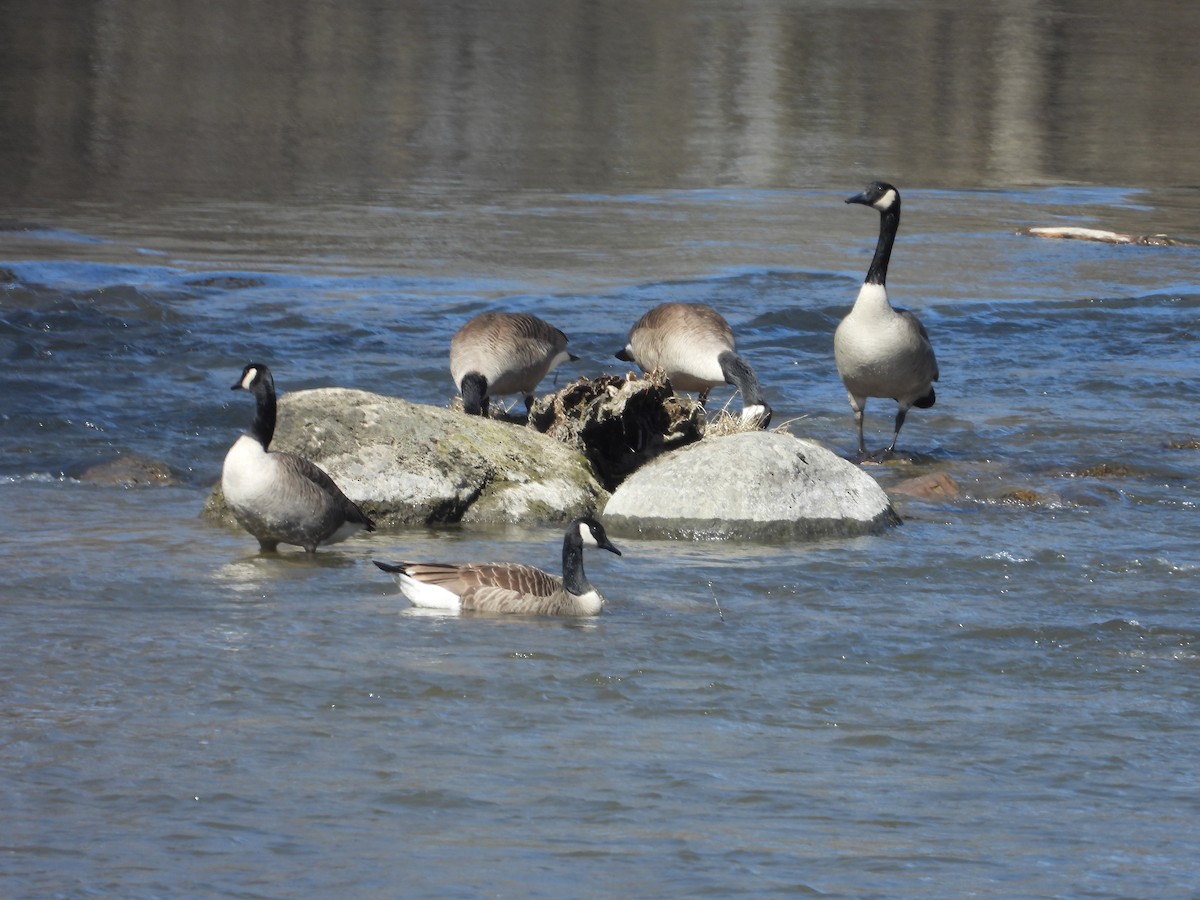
(586, 535)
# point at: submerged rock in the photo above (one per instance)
(752, 486)
(409, 464)
(127, 470)
(932, 486)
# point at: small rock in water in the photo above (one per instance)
(1102, 470)
(934, 486)
(1026, 497)
(129, 469)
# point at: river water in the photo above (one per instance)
(998, 698)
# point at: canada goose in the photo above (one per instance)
(693, 345)
(503, 353)
(509, 587)
(279, 497)
(881, 351)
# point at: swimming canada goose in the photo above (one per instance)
(693, 345)
(881, 351)
(499, 353)
(279, 497)
(509, 587)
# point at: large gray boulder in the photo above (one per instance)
(766, 486)
(409, 464)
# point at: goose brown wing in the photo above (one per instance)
(503, 600)
(453, 577)
(498, 587)
(528, 581)
(527, 326)
(470, 579)
(492, 587)
(515, 588)
(912, 318)
(321, 479)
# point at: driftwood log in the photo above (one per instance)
(619, 423)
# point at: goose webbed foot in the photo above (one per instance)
(880, 457)
(871, 457)
(863, 458)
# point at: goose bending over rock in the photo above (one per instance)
(279, 497)
(881, 351)
(500, 353)
(509, 587)
(693, 345)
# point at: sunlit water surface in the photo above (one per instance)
(998, 696)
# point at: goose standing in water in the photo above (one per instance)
(279, 497)
(693, 345)
(500, 353)
(509, 587)
(881, 351)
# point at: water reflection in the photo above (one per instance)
(137, 99)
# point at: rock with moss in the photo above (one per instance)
(762, 486)
(409, 464)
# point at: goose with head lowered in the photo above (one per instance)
(882, 351)
(509, 587)
(498, 353)
(693, 345)
(279, 497)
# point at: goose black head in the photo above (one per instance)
(255, 375)
(592, 534)
(474, 394)
(878, 194)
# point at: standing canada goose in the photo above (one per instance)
(279, 497)
(499, 353)
(693, 345)
(509, 587)
(881, 351)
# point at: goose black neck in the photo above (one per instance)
(738, 373)
(263, 429)
(574, 579)
(889, 223)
